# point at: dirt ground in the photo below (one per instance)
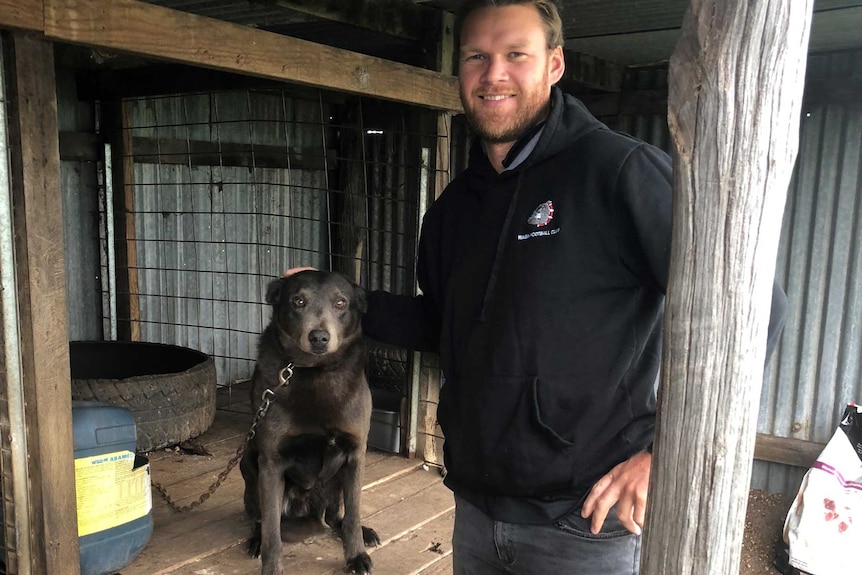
(764, 522)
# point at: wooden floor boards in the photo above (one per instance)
(402, 500)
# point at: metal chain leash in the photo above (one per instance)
(266, 399)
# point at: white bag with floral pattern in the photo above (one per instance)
(824, 525)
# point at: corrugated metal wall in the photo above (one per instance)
(209, 238)
(209, 244)
(78, 182)
(231, 188)
(816, 368)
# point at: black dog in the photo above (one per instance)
(308, 451)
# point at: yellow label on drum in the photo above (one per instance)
(110, 491)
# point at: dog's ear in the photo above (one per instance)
(273, 291)
(359, 298)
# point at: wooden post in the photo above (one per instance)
(117, 130)
(735, 93)
(349, 228)
(43, 332)
(429, 444)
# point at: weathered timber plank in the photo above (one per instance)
(227, 426)
(187, 477)
(441, 567)
(588, 71)
(209, 535)
(204, 534)
(202, 153)
(387, 469)
(150, 30)
(178, 537)
(417, 549)
(430, 436)
(394, 18)
(178, 467)
(393, 522)
(733, 160)
(213, 535)
(231, 490)
(26, 14)
(42, 320)
(787, 450)
(385, 496)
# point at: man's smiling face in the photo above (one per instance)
(506, 71)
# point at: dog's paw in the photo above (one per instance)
(361, 565)
(369, 537)
(254, 547)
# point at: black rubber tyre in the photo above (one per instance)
(170, 390)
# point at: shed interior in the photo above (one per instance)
(186, 187)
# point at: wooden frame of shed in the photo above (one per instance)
(35, 331)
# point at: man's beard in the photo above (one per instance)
(494, 130)
(491, 131)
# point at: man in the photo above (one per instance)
(543, 269)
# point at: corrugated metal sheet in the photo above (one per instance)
(213, 229)
(817, 367)
(81, 216)
(246, 13)
(209, 239)
(224, 231)
(78, 182)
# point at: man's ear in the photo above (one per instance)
(359, 298)
(273, 290)
(556, 65)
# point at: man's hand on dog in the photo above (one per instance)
(291, 271)
(625, 485)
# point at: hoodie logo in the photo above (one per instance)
(542, 215)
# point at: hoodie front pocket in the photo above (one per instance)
(575, 416)
(493, 440)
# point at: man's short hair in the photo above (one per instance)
(547, 10)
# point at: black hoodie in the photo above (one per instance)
(543, 290)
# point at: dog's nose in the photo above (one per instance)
(318, 337)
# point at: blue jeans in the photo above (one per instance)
(482, 546)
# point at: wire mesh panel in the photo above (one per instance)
(222, 191)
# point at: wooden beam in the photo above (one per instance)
(24, 14)
(42, 315)
(149, 30)
(787, 450)
(392, 17)
(125, 210)
(735, 93)
(204, 153)
(162, 79)
(586, 71)
(429, 443)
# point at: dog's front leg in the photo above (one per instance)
(270, 485)
(357, 559)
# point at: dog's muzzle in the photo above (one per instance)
(319, 341)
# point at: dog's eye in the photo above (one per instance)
(298, 302)
(341, 303)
